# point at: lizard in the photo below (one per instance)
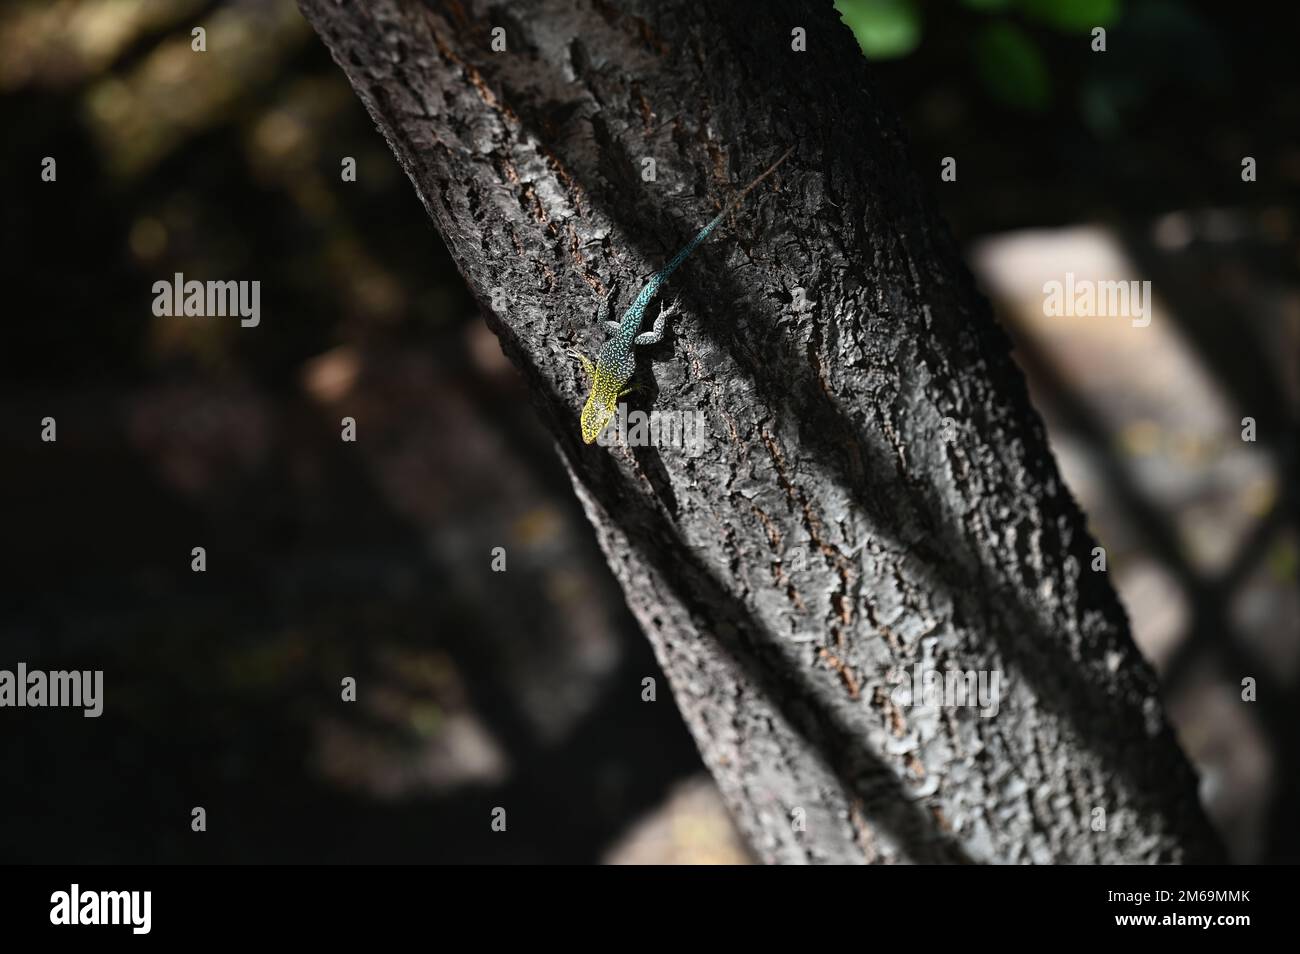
(616, 363)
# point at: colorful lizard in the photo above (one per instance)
(616, 363)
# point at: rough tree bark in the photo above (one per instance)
(876, 491)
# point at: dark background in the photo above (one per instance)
(372, 559)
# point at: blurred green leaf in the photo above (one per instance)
(988, 6)
(1076, 16)
(885, 29)
(1011, 67)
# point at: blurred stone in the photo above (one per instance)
(691, 827)
(330, 377)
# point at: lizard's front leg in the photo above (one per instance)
(656, 334)
(587, 366)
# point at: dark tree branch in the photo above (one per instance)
(835, 531)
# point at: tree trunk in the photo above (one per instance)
(875, 492)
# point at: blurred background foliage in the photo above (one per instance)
(1016, 48)
(523, 689)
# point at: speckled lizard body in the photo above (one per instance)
(616, 362)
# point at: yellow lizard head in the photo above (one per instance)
(601, 406)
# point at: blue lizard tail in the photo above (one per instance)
(632, 318)
(657, 280)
